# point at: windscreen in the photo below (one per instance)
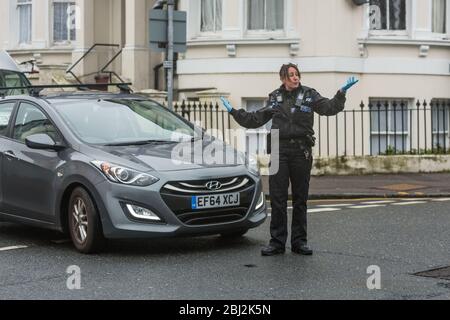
(123, 121)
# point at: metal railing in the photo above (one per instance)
(102, 69)
(209, 116)
(380, 127)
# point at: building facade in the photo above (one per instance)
(399, 49)
(57, 33)
(246, 41)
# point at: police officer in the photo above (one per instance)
(291, 109)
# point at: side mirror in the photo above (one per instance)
(42, 141)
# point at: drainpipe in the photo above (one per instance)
(156, 75)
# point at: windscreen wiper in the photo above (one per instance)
(139, 143)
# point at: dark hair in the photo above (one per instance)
(284, 71)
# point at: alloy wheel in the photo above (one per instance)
(80, 220)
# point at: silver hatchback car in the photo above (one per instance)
(106, 166)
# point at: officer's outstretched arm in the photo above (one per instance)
(249, 120)
(328, 107)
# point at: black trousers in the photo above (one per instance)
(295, 162)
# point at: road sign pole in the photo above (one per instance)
(169, 65)
(167, 33)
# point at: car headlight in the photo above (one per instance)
(252, 165)
(124, 175)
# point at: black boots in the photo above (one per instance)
(271, 250)
(302, 249)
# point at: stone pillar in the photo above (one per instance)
(421, 15)
(85, 39)
(135, 54)
(5, 6)
(40, 24)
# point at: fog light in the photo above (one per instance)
(261, 201)
(142, 213)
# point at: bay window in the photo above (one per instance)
(389, 15)
(24, 19)
(439, 16)
(265, 15)
(64, 21)
(211, 15)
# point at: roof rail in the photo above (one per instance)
(35, 90)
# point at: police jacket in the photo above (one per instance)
(291, 112)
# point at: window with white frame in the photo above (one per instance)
(389, 124)
(439, 16)
(388, 15)
(440, 110)
(24, 19)
(267, 15)
(211, 16)
(64, 21)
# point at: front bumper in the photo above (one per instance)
(119, 224)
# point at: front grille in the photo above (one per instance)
(178, 196)
(199, 187)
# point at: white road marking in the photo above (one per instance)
(323, 210)
(335, 205)
(315, 210)
(368, 206)
(378, 202)
(441, 199)
(13, 248)
(408, 203)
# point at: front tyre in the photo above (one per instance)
(84, 222)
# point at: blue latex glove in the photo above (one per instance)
(226, 104)
(350, 83)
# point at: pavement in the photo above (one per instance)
(411, 185)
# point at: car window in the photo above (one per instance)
(30, 120)
(13, 79)
(5, 114)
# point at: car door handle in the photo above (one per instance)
(10, 155)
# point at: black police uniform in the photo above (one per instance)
(292, 113)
